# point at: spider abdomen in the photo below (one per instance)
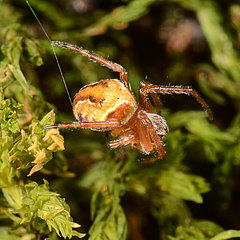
(103, 101)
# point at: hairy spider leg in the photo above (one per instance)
(145, 103)
(156, 139)
(111, 65)
(94, 125)
(122, 140)
(128, 135)
(177, 90)
(157, 102)
(145, 141)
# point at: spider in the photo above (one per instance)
(110, 105)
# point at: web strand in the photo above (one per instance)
(54, 52)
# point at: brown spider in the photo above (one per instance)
(110, 105)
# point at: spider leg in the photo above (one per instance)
(145, 102)
(157, 102)
(145, 142)
(156, 139)
(111, 65)
(123, 140)
(173, 89)
(101, 126)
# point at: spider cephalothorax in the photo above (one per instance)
(110, 105)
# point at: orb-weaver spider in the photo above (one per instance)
(110, 105)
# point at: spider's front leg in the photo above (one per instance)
(111, 65)
(149, 88)
(98, 126)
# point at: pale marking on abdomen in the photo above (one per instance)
(96, 111)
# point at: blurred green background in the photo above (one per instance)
(194, 192)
